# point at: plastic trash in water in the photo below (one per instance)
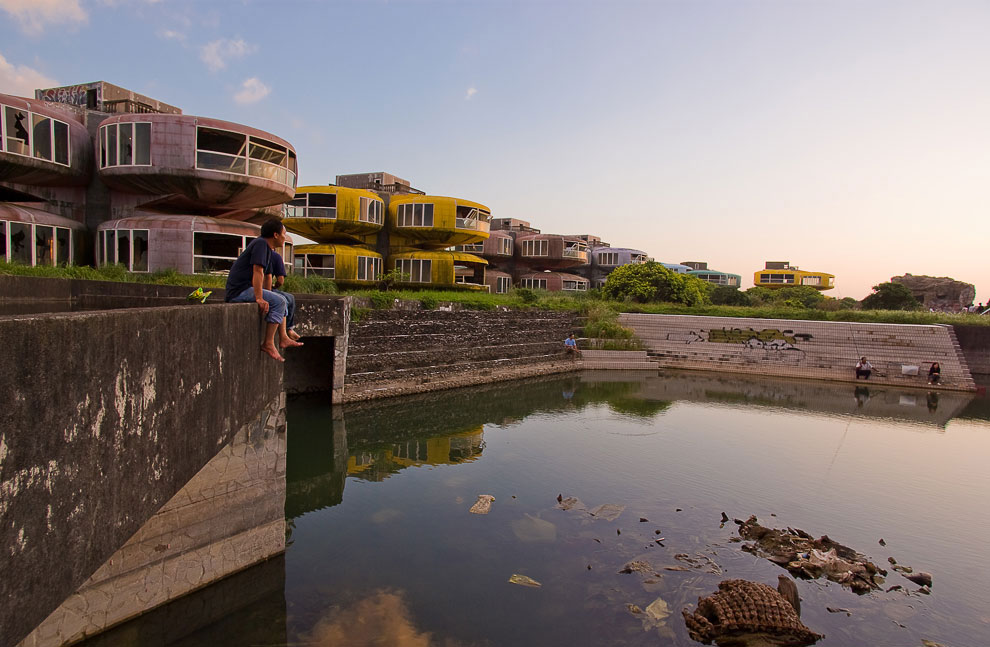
(524, 580)
(483, 505)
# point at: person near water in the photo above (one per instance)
(934, 373)
(250, 280)
(863, 369)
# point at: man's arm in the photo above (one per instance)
(257, 282)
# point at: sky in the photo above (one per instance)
(851, 137)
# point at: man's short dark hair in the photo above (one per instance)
(271, 227)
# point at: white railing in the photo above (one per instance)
(295, 211)
(213, 161)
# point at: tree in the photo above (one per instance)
(652, 282)
(891, 296)
(723, 295)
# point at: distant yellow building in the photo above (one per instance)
(781, 274)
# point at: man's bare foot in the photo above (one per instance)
(288, 342)
(270, 350)
(293, 334)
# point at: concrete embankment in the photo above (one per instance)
(402, 350)
(900, 354)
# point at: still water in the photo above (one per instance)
(382, 548)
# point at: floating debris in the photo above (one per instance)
(656, 614)
(534, 529)
(524, 580)
(607, 511)
(570, 503)
(838, 610)
(742, 609)
(639, 566)
(483, 505)
(806, 557)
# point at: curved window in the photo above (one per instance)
(536, 247)
(369, 268)
(30, 244)
(502, 284)
(415, 215)
(127, 247)
(317, 265)
(777, 278)
(215, 252)
(608, 258)
(125, 144)
(312, 205)
(575, 285)
(23, 132)
(232, 152)
(473, 248)
(418, 271)
(505, 246)
(534, 284)
(371, 211)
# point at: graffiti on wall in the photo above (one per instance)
(71, 94)
(770, 343)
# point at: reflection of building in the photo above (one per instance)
(779, 274)
(701, 271)
(159, 189)
(377, 465)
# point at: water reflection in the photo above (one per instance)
(383, 549)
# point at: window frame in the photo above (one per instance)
(6, 251)
(374, 262)
(505, 246)
(368, 214)
(541, 244)
(503, 284)
(104, 146)
(284, 173)
(193, 255)
(533, 284)
(416, 269)
(29, 143)
(580, 285)
(605, 257)
(406, 214)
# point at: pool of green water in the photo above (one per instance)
(382, 549)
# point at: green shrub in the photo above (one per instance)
(309, 285)
(527, 295)
(382, 300)
(429, 302)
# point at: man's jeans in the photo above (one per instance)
(276, 303)
(290, 308)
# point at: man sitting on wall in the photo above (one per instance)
(287, 327)
(863, 369)
(570, 347)
(250, 280)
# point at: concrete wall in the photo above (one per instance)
(408, 351)
(106, 416)
(821, 350)
(228, 517)
(975, 344)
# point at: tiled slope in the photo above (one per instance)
(811, 349)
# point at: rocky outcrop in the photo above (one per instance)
(939, 292)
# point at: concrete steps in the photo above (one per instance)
(900, 354)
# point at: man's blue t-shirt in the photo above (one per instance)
(239, 278)
(277, 267)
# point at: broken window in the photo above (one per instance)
(369, 268)
(44, 247)
(61, 132)
(316, 264)
(20, 243)
(221, 150)
(215, 252)
(139, 243)
(124, 249)
(502, 284)
(534, 284)
(16, 135)
(112, 145)
(3, 240)
(126, 138)
(142, 144)
(42, 131)
(63, 246)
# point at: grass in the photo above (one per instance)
(601, 316)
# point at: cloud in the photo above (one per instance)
(217, 53)
(169, 34)
(35, 14)
(21, 80)
(252, 91)
(470, 93)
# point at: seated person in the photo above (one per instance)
(287, 327)
(863, 369)
(250, 280)
(570, 346)
(934, 373)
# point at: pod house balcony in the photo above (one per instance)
(551, 251)
(438, 269)
(195, 163)
(349, 265)
(330, 213)
(779, 274)
(554, 282)
(436, 221)
(42, 144)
